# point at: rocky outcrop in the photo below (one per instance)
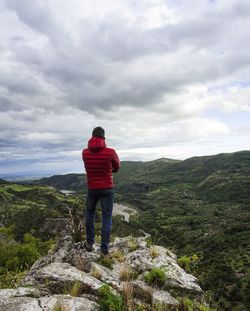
(69, 271)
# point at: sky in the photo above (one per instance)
(164, 78)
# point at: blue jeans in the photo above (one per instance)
(106, 196)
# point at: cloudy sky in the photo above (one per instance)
(165, 78)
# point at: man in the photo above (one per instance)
(100, 162)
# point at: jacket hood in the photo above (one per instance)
(96, 144)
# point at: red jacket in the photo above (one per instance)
(100, 162)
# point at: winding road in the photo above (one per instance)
(120, 209)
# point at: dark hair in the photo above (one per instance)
(98, 132)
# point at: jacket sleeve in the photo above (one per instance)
(115, 162)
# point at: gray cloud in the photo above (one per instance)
(7, 105)
(114, 62)
(34, 14)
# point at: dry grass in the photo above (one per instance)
(118, 255)
(132, 245)
(127, 274)
(76, 289)
(128, 296)
(154, 252)
(96, 273)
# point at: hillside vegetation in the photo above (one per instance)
(199, 207)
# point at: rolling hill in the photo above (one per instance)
(200, 208)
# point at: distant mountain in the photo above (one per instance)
(2, 181)
(141, 176)
(66, 182)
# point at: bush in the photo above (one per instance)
(109, 300)
(18, 256)
(156, 276)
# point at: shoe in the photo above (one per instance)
(105, 253)
(88, 246)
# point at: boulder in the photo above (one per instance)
(59, 277)
(66, 302)
(164, 299)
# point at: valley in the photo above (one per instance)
(199, 208)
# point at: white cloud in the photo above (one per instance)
(160, 76)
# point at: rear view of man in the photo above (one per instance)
(100, 162)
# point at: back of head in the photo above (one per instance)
(98, 132)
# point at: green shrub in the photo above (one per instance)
(16, 257)
(110, 301)
(156, 276)
(188, 263)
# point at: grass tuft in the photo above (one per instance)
(132, 245)
(118, 255)
(76, 289)
(154, 252)
(60, 306)
(155, 277)
(110, 301)
(96, 273)
(106, 261)
(128, 296)
(127, 274)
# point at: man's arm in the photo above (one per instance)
(115, 162)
